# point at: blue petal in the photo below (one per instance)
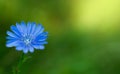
(39, 47)
(15, 30)
(39, 30)
(11, 34)
(24, 27)
(31, 49)
(43, 42)
(19, 48)
(11, 38)
(40, 38)
(33, 28)
(43, 38)
(44, 34)
(25, 49)
(42, 47)
(29, 26)
(19, 27)
(40, 42)
(12, 43)
(36, 46)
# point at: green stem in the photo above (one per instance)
(23, 58)
(20, 63)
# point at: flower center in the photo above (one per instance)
(27, 41)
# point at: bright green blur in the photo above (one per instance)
(84, 36)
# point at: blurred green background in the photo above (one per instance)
(84, 36)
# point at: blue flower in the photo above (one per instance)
(27, 37)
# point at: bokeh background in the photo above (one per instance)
(84, 36)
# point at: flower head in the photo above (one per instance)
(27, 37)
